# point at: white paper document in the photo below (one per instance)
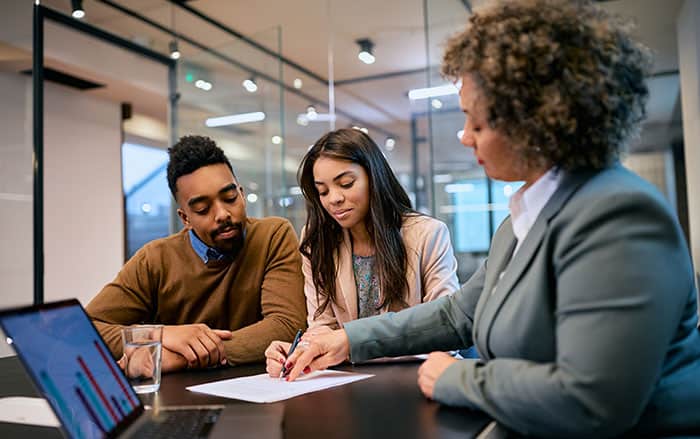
(26, 410)
(263, 388)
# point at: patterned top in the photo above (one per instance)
(367, 284)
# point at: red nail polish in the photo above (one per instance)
(307, 369)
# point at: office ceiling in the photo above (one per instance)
(309, 32)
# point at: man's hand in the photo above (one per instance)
(430, 371)
(170, 362)
(198, 344)
(137, 362)
(318, 352)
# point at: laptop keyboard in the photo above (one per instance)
(181, 423)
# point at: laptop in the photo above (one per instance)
(74, 370)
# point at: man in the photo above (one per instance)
(224, 287)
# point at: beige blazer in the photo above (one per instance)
(431, 272)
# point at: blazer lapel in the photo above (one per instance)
(520, 262)
(345, 279)
(500, 253)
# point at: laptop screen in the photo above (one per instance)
(73, 368)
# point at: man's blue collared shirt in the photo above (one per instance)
(205, 252)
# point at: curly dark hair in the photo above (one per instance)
(560, 76)
(191, 153)
(388, 206)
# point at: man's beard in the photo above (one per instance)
(230, 246)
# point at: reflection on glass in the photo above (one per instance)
(146, 194)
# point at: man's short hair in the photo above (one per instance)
(191, 153)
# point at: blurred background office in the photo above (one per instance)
(82, 170)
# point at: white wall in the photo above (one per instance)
(83, 207)
(83, 212)
(16, 255)
(689, 64)
(16, 243)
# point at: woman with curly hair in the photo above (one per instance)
(585, 313)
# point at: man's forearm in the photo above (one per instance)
(248, 344)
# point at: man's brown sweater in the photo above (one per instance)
(259, 296)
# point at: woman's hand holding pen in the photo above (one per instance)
(276, 353)
(275, 356)
(318, 352)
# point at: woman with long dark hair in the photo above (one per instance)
(365, 250)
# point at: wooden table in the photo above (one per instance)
(388, 405)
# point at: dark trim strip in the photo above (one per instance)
(380, 76)
(104, 35)
(38, 159)
(664, 73)
(467, 5)
(250, 41)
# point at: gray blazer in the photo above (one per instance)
(591, 330)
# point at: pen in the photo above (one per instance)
(291, 351)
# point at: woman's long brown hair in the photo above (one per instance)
(388, 205)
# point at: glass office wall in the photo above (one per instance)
(232, 94)
(458, 191)
(425, 152)
(147, 198)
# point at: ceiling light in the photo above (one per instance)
(460, 133)
(311, 113)
(454, 188)
(252, 198)
(250, 85)
(202, 84)
(276, 140)
(285, 201)
(234, 119)
(78, 11)
(390, 143)
(442, 178)
(366, 46)
(436, 104)
(298, 83)
(432, 92)
(303, 119)
(174, 51)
